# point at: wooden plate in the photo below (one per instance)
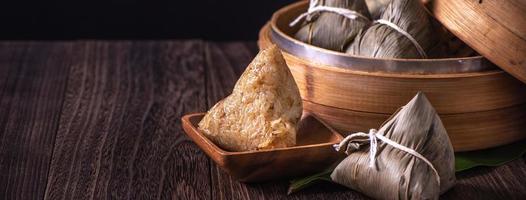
(313, 152)
(496, 29)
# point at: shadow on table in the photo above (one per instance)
(488, 183)
(320, 190)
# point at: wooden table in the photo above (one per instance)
(99, 119)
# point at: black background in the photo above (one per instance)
(135, 19)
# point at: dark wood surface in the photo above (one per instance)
(100, 120)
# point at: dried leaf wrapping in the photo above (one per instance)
(333, 31)
(400, 175)
(262, 111)
(376, 7)
(382, 41)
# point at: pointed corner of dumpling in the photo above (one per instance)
(272, 49)
(270, 56)
(268, 69)
(420, 97)
(418, 112)
(420, 102)
(269, 52)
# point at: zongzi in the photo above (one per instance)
(376, 7)
(333, 24)
(404, 31)
(262, 111)
(409, 157)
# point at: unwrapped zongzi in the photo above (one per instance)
(262, 111)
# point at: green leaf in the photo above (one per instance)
(300, 183)
(489, 157)
(463, 161)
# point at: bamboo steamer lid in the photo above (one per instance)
(494, 28)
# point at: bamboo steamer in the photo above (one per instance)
(480, 105)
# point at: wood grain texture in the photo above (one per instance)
(494, 127)
(385, 92)
(100, 120)
(32, 85)
(120, 134)
(496, 29)
(503, 182)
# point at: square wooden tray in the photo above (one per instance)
(312, 153)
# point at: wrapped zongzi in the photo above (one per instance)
(403, 31)
(376, 7)
(262, 111)
(333, 24)
(409, 157)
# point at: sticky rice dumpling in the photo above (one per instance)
(385, 37)
(330, 30)
(389, 171)
(262, 111)
(376, 7)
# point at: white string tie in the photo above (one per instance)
(314, 8)
(373, 137)
(374, 143)
(403, 32)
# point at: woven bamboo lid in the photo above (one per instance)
(494, 28)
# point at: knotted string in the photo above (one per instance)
(373, 137)
(315, 8)
(406, 34)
